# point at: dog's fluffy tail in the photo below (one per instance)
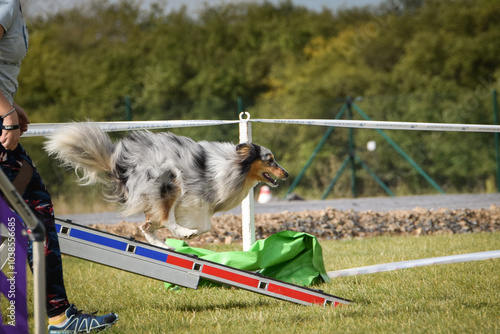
(85, 147)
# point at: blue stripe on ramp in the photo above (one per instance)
(79, 234)
(152, 254)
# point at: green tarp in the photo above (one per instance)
(293, 257)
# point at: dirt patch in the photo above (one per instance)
(332, 224)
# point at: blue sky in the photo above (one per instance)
(312, 4)
(194, 5)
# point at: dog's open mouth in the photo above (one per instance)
(268, 177)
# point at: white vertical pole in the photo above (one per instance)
(247, 206)
(39, 287)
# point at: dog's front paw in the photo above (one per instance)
(186, 233)
(192, 235)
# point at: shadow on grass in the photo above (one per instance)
(231, 305)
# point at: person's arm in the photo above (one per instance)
(9, 138)
(23, 118)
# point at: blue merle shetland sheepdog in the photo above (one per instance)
(178, 183)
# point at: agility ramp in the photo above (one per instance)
(176, 268)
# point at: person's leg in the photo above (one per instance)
(63, 316)
(57, 301)
(38, 199)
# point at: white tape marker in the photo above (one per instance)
(42, 129)
(415, 263)
(386, 125)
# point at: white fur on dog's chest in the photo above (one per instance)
(193, 213)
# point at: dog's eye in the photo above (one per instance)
(271, 160)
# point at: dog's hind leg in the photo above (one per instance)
(170, 191)
(177, 230)
(163, 209)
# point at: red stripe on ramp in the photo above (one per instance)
(230, 276)
(180, 262)
(308, 298)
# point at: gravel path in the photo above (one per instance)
(431, 202)
(337, 219)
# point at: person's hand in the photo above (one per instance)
(10, 138)
(23, 118)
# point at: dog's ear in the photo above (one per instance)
(246, 152)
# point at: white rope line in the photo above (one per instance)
(386, 125)
(42, 129)
(415, 263)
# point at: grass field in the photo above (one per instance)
(453, 298)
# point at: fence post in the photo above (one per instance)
(247, 206)
(315, 152)
(497, 140)
(400, 151)
(128, 108)
(351, 153)
(336, 178)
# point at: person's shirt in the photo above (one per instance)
(13, 46)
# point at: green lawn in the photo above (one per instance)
(453, 298)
